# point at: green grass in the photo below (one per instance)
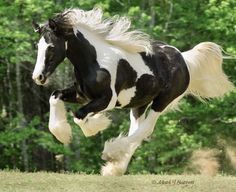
(40, 181)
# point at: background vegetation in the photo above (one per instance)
(27, 145)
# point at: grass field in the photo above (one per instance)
(55, 182)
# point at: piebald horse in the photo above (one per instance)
(116, 67)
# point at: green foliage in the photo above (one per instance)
(36, 139)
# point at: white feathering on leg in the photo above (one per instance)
(116, 148)
(91, 125)
(114, 168)
(118, 153)
(58, 124)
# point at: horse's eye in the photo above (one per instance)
(50, 48)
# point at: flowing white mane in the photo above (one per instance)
(114, 30)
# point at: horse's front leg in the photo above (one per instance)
(90, 117)
(58, 124)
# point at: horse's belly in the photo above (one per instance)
(145, 90)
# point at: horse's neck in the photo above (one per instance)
(82, 55)
(88, 51)
(106, 53)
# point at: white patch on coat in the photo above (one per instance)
(126, 95)
(58, 124)
(40, 63)
(137, 63)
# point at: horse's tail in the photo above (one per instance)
(207, 78)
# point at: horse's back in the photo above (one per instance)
(168, 65)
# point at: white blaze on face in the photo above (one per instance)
(40, 63)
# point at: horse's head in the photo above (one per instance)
(51, 51)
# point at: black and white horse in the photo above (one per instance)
(118, 68)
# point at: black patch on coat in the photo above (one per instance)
(92, 79)
(170, 69)
(147, 88)
(125, 76)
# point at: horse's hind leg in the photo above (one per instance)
(146, 126)
(137, 115)
(120, 150)
(113, 148)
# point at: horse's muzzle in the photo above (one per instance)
(40, 79)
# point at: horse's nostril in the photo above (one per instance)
(40, 78)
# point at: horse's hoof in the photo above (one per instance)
(62, 131)
(114, 168)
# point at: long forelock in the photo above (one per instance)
(114, 30)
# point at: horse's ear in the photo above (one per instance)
(36, 26)
(53, 25)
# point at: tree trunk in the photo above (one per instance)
(21, 122)
(153, 13)
(169, 16)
